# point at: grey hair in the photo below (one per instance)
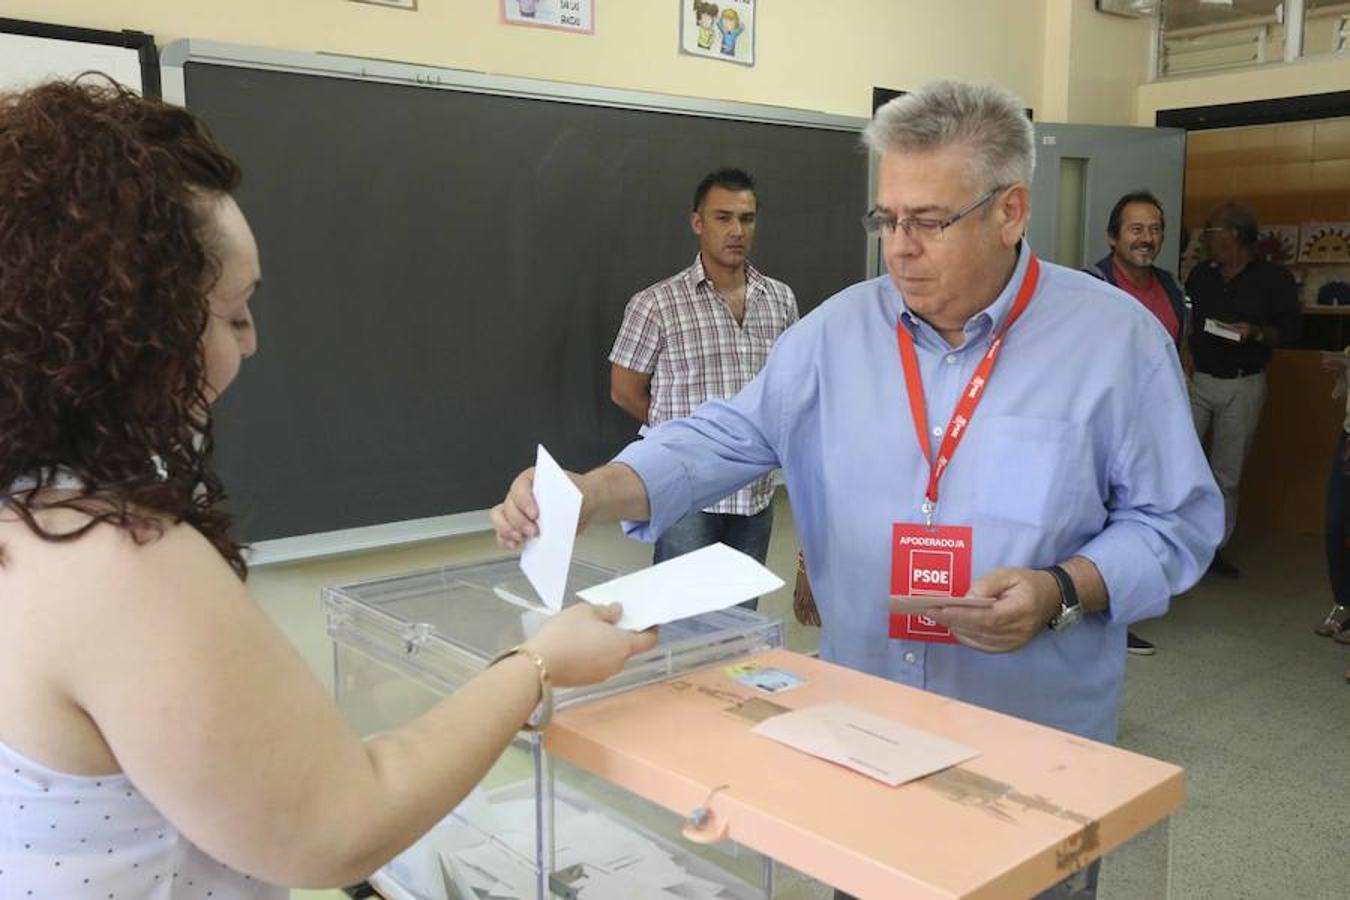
(1240, 218)
(988, 120)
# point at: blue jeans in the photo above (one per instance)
(748, 534)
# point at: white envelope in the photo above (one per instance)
(1219, 329)
(919, 605)
(711, 578)
(548, 555)
(870, 744)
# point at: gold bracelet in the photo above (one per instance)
(543, 713)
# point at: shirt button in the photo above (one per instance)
(951, 359)
(937, 431)
(910, 657)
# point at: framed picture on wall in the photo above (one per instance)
(1324, 242)
(396, 4)
(564, 15)
(31, 52)
(1278, 243)
(1135, 9)
(718, 29)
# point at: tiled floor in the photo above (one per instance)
(1257, 709)
(1241, 693)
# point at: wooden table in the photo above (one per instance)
(1034, 807)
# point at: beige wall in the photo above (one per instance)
(1092, 66)
(809, 55)
(1308, 76)
(1108, 60)
(1055, 62)
(1067, 61)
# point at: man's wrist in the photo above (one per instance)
(592, 486)
(608, 493)
(1048, 596)
(1068, 611)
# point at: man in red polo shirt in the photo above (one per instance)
(1135, 233)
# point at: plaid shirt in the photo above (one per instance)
(681, 332)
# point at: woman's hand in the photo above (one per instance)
(580, 645)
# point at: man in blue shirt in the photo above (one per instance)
(1082, 452)
(1068, 468)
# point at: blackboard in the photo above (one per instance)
(445, 271)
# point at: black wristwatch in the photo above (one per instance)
(1070, 610)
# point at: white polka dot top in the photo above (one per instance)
(77, 837)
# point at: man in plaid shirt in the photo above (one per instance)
(703, 334)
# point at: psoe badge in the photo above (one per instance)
(928, 561)
(930, 572)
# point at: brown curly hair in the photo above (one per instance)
(105, 269)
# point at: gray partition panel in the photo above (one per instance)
(1119, 159)
(445, 271)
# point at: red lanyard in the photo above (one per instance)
(970, 398)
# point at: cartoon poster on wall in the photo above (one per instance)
(566, 15)
(1325, 242)
(718, 29)
(1278, 243)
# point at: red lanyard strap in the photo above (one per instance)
(970, 397)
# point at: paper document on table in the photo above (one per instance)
(1219, 329)
(547, 556)
(707, 579)
(874, 746)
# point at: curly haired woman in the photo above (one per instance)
(159, 738)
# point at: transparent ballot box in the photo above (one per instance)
(536, 827)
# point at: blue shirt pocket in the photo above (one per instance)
(1029, 470)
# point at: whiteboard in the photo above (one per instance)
(26, 60)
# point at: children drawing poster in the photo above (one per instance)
(1325, 242)
(718, 29)
(567, 15)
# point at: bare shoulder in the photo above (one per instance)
(76, 600)
(104, 562)
(88, 610)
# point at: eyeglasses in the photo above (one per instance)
(1215, 229)
(878, 223)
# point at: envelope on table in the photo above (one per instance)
(870, 744)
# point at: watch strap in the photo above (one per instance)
(1068, 593)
